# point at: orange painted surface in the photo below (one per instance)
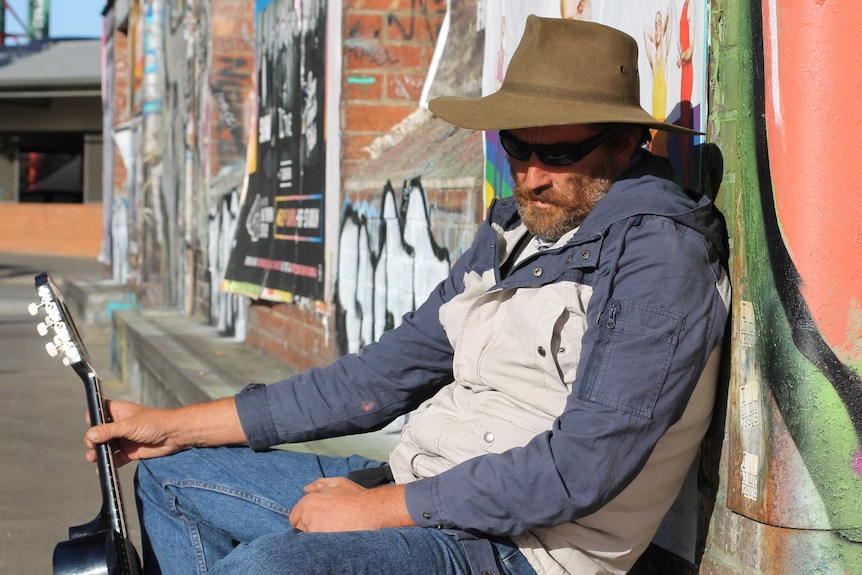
(58, 229)
(813, 81)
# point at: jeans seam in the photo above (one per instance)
(193, 531)
(225, 490)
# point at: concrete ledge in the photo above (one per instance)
(169, 360)
(95, 301)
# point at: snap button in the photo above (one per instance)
(427, 515)
(562, 350)
(489, 437)
(537, 272)
(486, 572)
(541, 351)
(585, 255)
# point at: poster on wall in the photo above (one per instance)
(672, 39)
(279, 249)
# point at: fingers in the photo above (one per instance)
(120, 457)
(295, 517)
(326, 483)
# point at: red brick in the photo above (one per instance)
(368, 56)
(374, 118)
(363, 26)
(381, 4)
(64, 229)
(354, 146)
(232, 44)
(413, 27)
(405, 86)
(364, 87)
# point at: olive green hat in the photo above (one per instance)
(563, 72)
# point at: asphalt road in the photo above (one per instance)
(46, 485)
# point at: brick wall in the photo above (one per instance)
(231, 81)
(292, 333)
(387, 49)
(58, 229)
(388, 46)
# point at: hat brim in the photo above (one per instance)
(507, 110)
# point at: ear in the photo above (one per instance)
(629, 140)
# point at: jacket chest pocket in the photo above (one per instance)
(631, 360)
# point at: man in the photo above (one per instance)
(561, 378)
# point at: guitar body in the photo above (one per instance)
(96, 554)
(101, 546)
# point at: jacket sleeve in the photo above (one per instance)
(359, 393)
(654, 317)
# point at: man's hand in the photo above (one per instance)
(338, 504)
(140, 432)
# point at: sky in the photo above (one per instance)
(68, 18)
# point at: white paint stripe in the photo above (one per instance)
(773, 47)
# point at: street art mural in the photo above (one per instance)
(189, 101)
(796, 393)
(227, 311)
(395, 247)
(672, 42)
(279, 253)
(388, 263)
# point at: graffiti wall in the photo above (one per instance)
(795, 418)
(190, 76)
(226, 311)
(397, 241)
(388, 263)
(279, 252)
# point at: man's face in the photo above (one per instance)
(555, 199)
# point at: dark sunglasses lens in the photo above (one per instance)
(515, 148)
(553, 154)
(561, 156)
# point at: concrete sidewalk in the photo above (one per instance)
(46, 485)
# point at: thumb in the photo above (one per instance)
(102, 433)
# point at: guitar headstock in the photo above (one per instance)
(57, 322)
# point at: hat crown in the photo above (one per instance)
(571, 59)
(563, 72)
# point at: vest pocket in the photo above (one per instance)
(631, 360)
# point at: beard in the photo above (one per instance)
(565, 208)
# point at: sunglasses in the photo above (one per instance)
(550, 154)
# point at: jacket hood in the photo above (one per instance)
(647, 189)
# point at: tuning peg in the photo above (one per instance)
(51, 349)
(42, 328)
(66, 361)
(33, 308)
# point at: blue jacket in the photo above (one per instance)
(582, 431)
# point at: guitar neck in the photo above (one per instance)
(112, 506)
(102, 545)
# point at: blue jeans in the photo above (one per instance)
(225, 511)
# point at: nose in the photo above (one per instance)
(536, 177)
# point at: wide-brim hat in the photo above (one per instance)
(563, 72)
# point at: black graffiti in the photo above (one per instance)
(354, 306)
(420, 10)
(232, 76)
(364, 50)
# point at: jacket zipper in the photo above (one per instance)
(613, 311)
